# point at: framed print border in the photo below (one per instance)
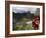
(7, 18)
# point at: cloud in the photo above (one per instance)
(23, 9)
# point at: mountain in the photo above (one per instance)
(24, 14)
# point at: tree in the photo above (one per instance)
(37, 13)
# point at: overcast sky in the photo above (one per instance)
(23, 9)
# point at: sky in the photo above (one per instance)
(23, 9)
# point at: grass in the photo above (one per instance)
(22, 26)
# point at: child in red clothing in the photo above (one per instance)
(35, 23)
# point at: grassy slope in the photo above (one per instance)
(23, 26)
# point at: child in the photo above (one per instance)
(35, 23)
